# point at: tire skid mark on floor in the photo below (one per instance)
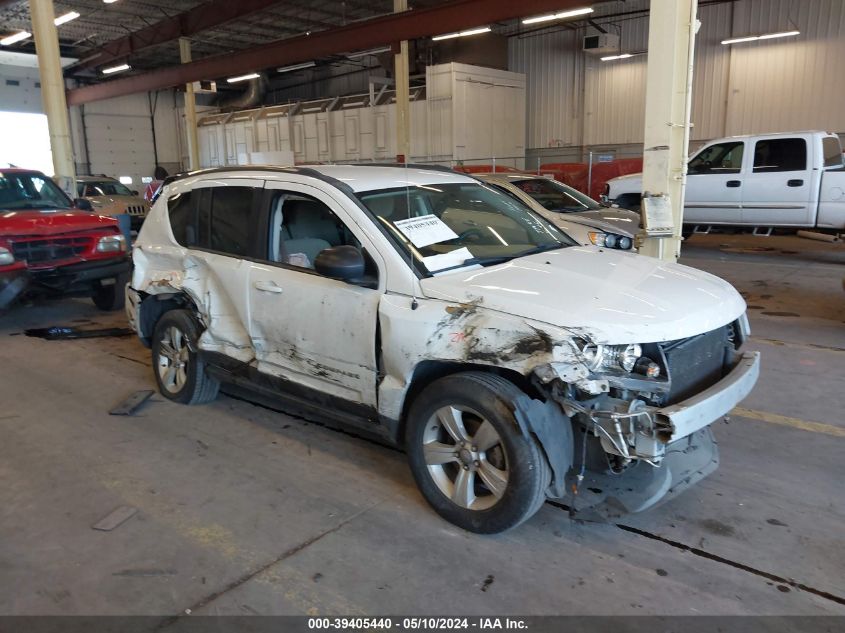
(788, 582)
(784, 420)
(293, 551)
(810, 346)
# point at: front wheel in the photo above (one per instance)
(111, 296)
(179, 372)
(468, 456)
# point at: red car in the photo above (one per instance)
(52, 245)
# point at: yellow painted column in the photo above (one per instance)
(671, 46)
(190, 109)
(403, 105)
(53, 92)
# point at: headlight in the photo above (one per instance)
(6, 257)
(610, 240)
(626, 357)
(111, 244)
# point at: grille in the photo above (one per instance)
(135, 210)
(46, 250)
(697, 362)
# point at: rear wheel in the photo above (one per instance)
(179, 372)
(469, 458)
(111, 295)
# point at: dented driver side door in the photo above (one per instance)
(317, 333)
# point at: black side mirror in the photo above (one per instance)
(133, 192)
(83, 204)
(340, 262)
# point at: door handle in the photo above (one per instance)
(267, 286)
(794, 183)
(733, 183)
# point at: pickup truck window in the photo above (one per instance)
(447, 226)
(780, 154)
(722, 158)
(24, 190)
(832, 149)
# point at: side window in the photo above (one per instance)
(231, 215)
(780, 154)
(724, 158)
(301, 227)
(182, 221)
(832, 150)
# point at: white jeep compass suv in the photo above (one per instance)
(431, 310)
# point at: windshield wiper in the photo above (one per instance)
(540, 249)
(498, 259)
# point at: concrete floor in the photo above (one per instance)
(242, 510)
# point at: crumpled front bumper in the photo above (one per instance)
(607, 496)
(690, 452)
(684, 418)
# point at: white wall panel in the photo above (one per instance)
(773, 85)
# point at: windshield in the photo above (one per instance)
(555, 196)
(448, 226)
(31, 190)
(102, 188)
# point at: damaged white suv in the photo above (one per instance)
(426, 308)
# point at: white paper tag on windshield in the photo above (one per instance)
(425, 230)
(447, 260)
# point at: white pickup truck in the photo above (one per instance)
(793, 180)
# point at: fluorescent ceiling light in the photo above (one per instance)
(478, 31)
(17, 37)
(67, 17)
(302, 66)
(374, 51)
(115, 69)
(234, 80)
(558, 16)
(621, 56)
(109, 1)
(753, 38)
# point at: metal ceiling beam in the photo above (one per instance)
(409, 25)
(201, 18)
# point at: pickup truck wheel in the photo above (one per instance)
(112, 296)
(468, 456)
(179, 372)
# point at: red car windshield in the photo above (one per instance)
(30, 190)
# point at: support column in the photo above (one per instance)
(403, 106)
(671, 44)
(190, 109)
(53, 92)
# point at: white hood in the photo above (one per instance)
(617, 297)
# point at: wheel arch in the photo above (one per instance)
(427, 371)
(153, 307)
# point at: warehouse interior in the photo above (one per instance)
(713, 128)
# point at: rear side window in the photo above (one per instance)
(832, 151)
(231, 214)
(780, 154)
(181, 211)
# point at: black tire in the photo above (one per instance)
(489, 398)
(111, 297)
(190, 384)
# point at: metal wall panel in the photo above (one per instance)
(773, 85)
